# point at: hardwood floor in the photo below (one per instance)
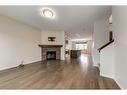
(56, 74)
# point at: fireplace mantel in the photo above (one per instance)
(49, 46)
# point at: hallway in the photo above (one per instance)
(55, 74)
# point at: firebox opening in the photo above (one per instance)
(51, 55)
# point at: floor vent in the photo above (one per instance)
(21, 65)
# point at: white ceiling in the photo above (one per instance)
(76, 20)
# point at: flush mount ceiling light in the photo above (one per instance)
(48, 13)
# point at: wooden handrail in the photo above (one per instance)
(105, 45)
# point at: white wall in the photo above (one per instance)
(107, 61)
(60, 40)
(69, 45)
(18, 42)
(73, 45)
(89, 47)
(119, 14)
(100, 37)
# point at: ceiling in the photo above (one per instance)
(77, 21)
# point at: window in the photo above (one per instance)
(81, 46)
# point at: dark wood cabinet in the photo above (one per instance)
(75, 53)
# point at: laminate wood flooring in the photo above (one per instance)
(55, 74)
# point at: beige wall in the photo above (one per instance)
(100, 37)
(119, 15)
(107, 61)
(73, 45)
(18, 43)
(69, 45)
(114, 56)
(89, 50)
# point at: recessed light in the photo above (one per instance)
(48, 13)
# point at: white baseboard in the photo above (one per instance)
(118, 82)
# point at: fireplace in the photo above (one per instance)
(51, 55)
(50, 52)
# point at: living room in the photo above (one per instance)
(62, 47)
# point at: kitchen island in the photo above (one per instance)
(75, 53)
